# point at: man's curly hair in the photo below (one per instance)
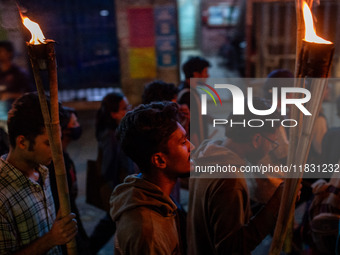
(146, 130)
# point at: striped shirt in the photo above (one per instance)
(26, 208)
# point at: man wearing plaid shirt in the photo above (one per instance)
(28, 222)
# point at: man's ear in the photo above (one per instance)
(158, 160)
(256, 140)
(22, 142)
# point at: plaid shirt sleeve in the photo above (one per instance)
(7, 236)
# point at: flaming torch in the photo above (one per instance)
(42, 57)
(314, 61)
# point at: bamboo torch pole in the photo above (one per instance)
(38, 55)
(300, 29)
(294, 134)
(295, 113)
(314, 61)
(42, 56)
(295, 131)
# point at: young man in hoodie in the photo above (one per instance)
(146, 218)
(219, 217)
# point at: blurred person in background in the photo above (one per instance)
(194, 68)
(115, 165)
(261, 189)
(158, 91)
(220, 217)
(14, 81)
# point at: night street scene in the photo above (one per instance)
(187, 127)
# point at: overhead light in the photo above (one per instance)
(104, 13)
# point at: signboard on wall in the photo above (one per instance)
(141, 27)
(142, 63)
(166, 31)
(166, 49)
(142, 58)
(148, 38)
(152, 39)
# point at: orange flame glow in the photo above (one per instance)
(310, 35)
(37, 35)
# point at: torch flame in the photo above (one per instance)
(310, 35)
(37, 35)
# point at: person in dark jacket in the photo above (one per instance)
(115, 165)
(219, 218)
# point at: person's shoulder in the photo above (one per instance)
(146, 221)
(142, 215)
(213, 185)
(9, 184)
(183, 96)
(143, 229)
(5, 176)
(183, 85)
(231, 184)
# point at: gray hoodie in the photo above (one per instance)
(146, 219)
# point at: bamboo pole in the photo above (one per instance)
(290, 183)
(42, 56)
(300, 25)
(300, 29)
(295, 113)
(314, 61)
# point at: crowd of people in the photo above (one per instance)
(146, 156)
